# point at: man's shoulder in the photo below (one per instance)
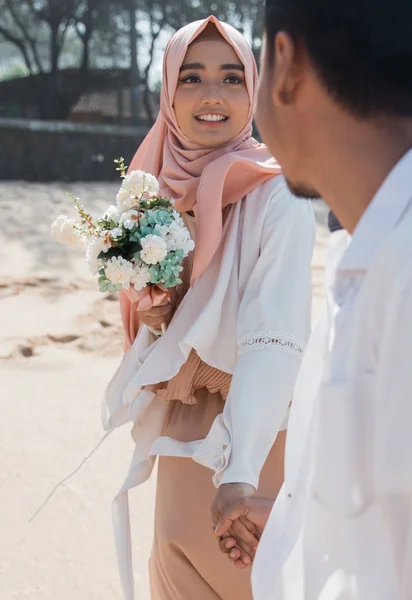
(397, 255)
(389, 279)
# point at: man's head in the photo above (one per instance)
(328, 59)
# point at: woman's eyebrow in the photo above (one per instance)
(201, 67)
(232, 67)
(190, 66)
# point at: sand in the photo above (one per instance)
(60, 341)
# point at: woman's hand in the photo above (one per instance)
(246, 540)
(158, 315)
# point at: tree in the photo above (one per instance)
(54, 34)
(38, 29)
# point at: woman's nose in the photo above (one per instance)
(212, 94)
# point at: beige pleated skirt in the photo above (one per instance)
(186, 563)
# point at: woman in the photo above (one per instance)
(210, 397)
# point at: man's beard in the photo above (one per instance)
(301, 190)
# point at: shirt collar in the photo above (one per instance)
(380, 217)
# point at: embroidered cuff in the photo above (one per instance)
(271, 340)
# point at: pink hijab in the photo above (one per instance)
(204, 180)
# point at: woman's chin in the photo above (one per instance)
(211, 138)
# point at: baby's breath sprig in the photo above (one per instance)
(122, 168)
(83, 214)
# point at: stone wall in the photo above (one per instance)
(60, 151)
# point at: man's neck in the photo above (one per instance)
(364, 155)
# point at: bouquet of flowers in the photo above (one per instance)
(138, 242)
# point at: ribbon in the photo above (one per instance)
(148, 297)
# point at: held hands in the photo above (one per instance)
(240, 537)
(245, 517)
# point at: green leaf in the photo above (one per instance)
(110, 253)
(133, 247)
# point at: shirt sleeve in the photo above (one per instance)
(273, 327)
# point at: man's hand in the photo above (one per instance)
(246, 540)
(252, 514)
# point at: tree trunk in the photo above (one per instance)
(148, 103)
(52, 77)
(134, 69)
(146, 94)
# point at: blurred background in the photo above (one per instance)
(80, 79)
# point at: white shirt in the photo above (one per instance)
(247, 315)
(342, 526)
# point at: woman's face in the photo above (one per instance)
(211, 102)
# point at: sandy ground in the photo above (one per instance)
(60, 340)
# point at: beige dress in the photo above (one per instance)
(186, 563)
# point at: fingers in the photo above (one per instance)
(227, 544)
(240, 564)
(251, 527)
(245, 538)
(235, 549)
(156, 312)
(234, 553)
(223, 526)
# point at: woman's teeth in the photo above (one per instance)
(212, 118)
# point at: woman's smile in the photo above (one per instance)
(214, 120)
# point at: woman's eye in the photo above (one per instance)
(233, 79)
(190, 79)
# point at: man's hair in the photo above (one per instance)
(360, 49)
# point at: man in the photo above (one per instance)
(335, 107)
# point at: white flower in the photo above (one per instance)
(94, 245)
(138, 182)
(154, 249)
(64, 231)
(179, 238)
(141, 277)
(116, 233)
(119, 271)
(151, 185)
(176, 235)
(177, 217)
(134, 185)
(129, 219)
(112, 213)
(125, 202)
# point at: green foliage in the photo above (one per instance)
(168, 270)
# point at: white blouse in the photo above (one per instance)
(248, 315)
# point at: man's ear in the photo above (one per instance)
(287, 70)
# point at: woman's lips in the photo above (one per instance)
(211, 119)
